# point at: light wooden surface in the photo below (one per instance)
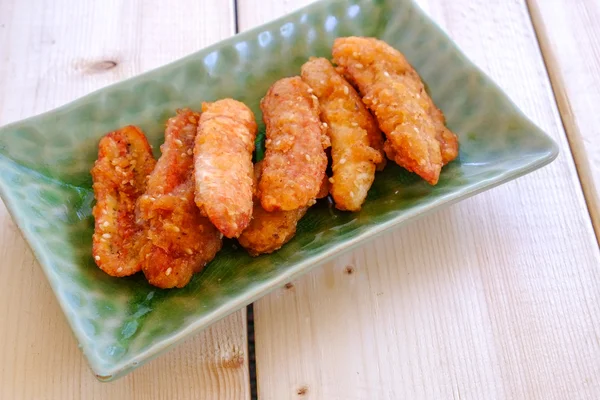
(570, 39)
(494, 298)
(52, 52)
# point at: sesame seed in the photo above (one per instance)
(97, 258)
(105, 224)
(310, 90)
(354, 54)
(182, 199)
(183, 154)
(314, 97)
(189, 251)
(325, 125)
(396, 192)
(359, 66)
(168, 271)
(345, 89)
(386, 73)
(352, 194)
(322, 82)
(307, 157)
(106, 236)
(189, 152)
(312, 202)
(343, 161)
(119, 269)
(104, 212)
(354, 124)
(331, 180)
(220, 236)
(178, 142)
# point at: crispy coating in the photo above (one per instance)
(348, 126)
(182, 240)
(448, 140)
(268, 231)
(417, 137)
(295, 160)
(223, 165)
(119, 175)
(325, 188)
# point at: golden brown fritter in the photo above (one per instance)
(119, 175)
(295, 160)
(223, 165)
(348, 125)
(183, 241)
(393, 91)
(268, 231)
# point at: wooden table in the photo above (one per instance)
(505, 305)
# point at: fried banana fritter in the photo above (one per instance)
(182, 240)
(223, 165)
(124, 162)
(268, 231)
(349, 126)
(417, 137)
(295, 160)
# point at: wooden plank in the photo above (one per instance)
(52, 52)
(570, 40)
(495, 297)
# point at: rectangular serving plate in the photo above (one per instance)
(122, 323)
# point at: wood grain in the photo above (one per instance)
(52, 52)
(569, 37)
(496, 297)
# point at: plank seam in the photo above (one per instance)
(572, 132)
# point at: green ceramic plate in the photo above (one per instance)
(121, 323)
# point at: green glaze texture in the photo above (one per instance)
(45, 180)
